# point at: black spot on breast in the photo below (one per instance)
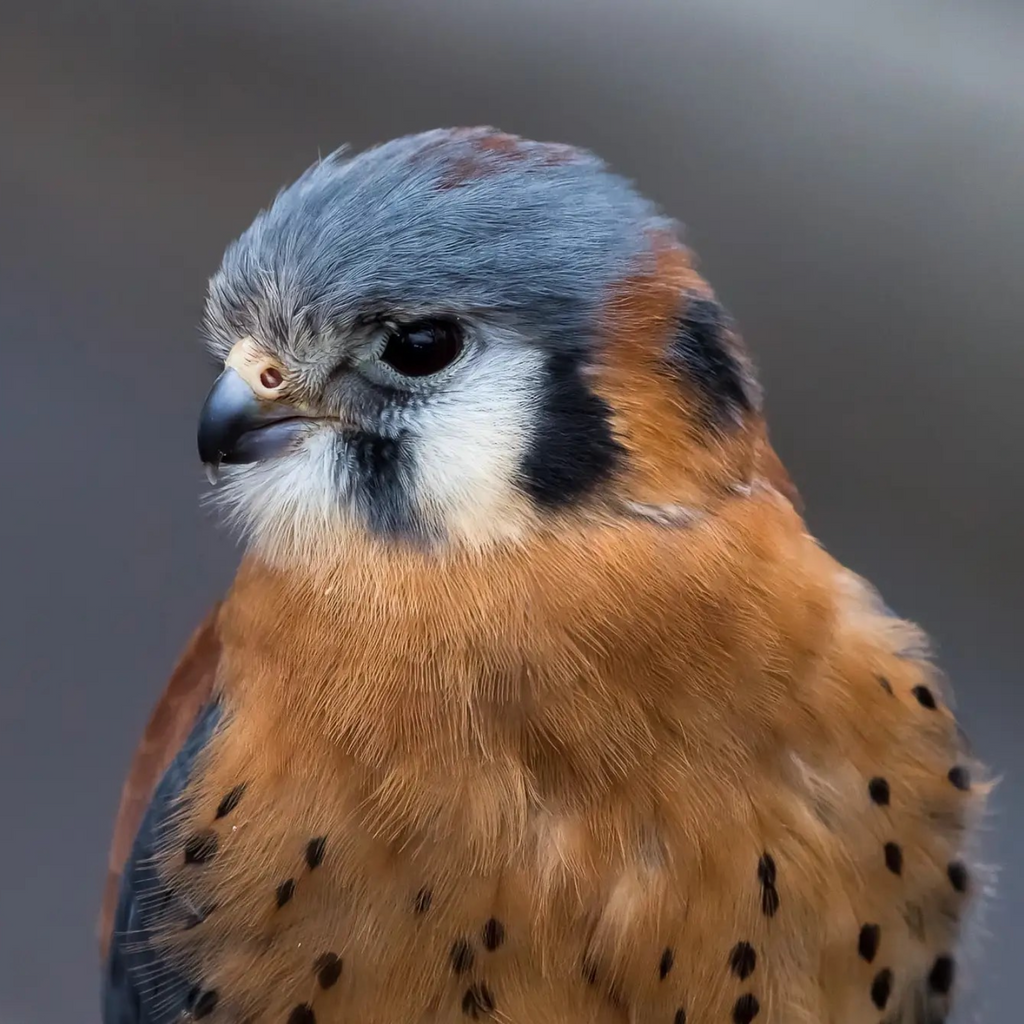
(477, 1001)
(743, 960)
(423, 900)
(680, 1016)
(461, 956)
(494, 934)
(925, 697)
(885, 685)
(315, 850)
(702, 354)
(230, 801)
(878, 790)
(200, 848)
(302, 1014)
(665, 963)
(766, 873)
(868, 940)
(958, 875)
(746, 1009)
(894, 858)
(960, 777)
(327, 968)
(940, 978)
(573, 449)
(204, 1004)
(285, 891)
(881, 988)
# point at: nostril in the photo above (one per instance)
(271, 378)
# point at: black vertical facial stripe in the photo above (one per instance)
(573, 449)
(700, 351)
(382, 468)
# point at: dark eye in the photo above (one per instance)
(422, 348)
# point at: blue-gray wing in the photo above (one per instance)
(139, 985)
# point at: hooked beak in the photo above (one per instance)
(236, 426)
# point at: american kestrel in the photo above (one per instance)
(533, 699)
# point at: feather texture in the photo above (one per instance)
(188, 690)
(535, 700)
(647, 777)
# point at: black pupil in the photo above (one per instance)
(421, 349)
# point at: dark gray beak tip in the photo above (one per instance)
(229, 410)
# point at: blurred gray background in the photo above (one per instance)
(851, 173)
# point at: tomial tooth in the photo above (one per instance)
(212, 472)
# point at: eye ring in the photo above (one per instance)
(422, 348)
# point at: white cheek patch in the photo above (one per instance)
(470, 441)
(467, 445)
(292, 506)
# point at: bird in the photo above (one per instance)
(533, 699)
